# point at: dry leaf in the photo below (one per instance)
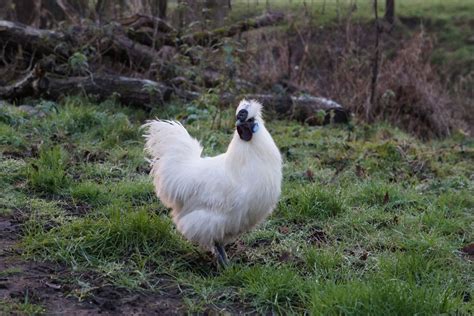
(469, 249)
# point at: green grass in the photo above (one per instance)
(449, 22)
(370, 220)
(329, 9)
(10, 271)
(9, 307)
(48, 173)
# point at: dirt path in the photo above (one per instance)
(46, 284)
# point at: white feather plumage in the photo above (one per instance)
(215, 199)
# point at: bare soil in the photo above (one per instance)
(48, 284)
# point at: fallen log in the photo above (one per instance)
(211, 37)
(144, 30)
(138, 54)
(147, 93)
(45, 42)
(138, 21)
(131, 91)
(133, 41)
(33, 39)
(21, 88)
(149, 30)
(307, 108)
(303, 108)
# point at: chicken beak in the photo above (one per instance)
(244, 130)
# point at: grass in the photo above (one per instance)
(330, 8)
(19, 306)
(47, 174)
(370, 221)
(25, 308)
(449, 22)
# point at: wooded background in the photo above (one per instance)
(145, 52)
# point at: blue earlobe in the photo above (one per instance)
(255, 128)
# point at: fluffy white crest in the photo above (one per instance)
(252, 106)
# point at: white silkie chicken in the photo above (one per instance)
(215, 199)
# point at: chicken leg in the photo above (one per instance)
(219, 251)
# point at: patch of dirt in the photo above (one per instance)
(94, 156)
(143, 169)
(318, 237)
(468, 251)
(77, 209)
(287, 257)
(261, 242)
(46, 284)
(16, 154)
(28, 152)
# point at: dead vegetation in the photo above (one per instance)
(412, 95)
(279, 59)
(336, 64)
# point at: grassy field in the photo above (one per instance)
(371, 221)
(404, 7)
(450, 22)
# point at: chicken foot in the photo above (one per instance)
(221, 255)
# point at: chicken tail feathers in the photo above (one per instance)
(172, 151)
(170, 138)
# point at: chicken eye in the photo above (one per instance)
(251, 120)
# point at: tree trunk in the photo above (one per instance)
(109, 10)
(390, 11)
(6, 12)
(72, 14)
(375, 65)
(216, 11)
(162, 8)
(28, 12)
